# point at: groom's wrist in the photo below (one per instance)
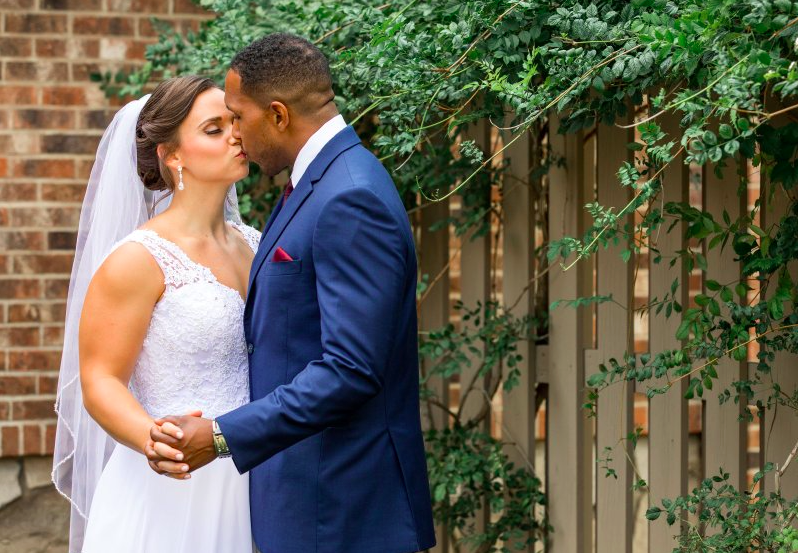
(219, 443)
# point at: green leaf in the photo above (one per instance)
(713, 285)
(440, 492)
(725, 131)
(701, 261)
(726, 294)
(702, 300)
(741, 290)
(653, 513)
(683, 332)
(776, 308)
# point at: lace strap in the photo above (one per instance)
(251, 235)
(178, 269)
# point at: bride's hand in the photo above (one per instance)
(196, 446)
(164, 459)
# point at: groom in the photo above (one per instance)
(332, 438)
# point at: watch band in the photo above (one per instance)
(219, 443)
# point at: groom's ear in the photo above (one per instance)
(278, 111)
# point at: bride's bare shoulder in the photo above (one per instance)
(129, 270)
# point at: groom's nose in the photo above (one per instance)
(236, 129)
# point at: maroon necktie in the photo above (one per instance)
(288, 189)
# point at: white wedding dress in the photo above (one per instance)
(194, 356)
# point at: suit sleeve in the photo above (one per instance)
(360, 259)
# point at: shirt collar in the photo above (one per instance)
(314, 145)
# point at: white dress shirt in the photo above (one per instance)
(313, 146)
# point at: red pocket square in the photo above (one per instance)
(280, 255)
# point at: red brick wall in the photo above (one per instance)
(51, 119)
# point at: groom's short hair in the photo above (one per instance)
(284, 67)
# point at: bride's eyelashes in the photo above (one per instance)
(216, 131)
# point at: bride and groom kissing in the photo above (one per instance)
(223, 390)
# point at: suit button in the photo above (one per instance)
(250, 348)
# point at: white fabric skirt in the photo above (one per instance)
(135, 510)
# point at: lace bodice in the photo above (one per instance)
(194, 355)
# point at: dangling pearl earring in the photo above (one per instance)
(180, 177)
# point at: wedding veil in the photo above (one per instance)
(116, 203)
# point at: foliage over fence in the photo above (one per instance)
(414, 75)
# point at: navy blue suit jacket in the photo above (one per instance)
(332, 437)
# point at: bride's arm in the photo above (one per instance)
(113, 324)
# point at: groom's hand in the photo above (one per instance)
(180, 444)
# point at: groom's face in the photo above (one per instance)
(256, 127)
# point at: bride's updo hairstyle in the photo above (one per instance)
(158, 124)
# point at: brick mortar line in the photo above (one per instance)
(28, 324)
(104, 13)
(43, 228)
(33, 229)
(32, 325)
(31, 372)
(17, 423)
(91, 133)
(44, 349)
(27, 397)
(26, 302)
(72, 83)
(40, 181)
(18, 253)
(37, 276)
(76, 60)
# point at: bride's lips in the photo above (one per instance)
(241, 154)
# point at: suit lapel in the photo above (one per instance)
(273, 231)
(261, 250)
(273, 216)
(281, 216)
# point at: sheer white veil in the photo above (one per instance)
(116, 203)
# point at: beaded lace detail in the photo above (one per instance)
(194, 355)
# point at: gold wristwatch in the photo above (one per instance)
(219, 443)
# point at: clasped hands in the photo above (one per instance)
(179, 445)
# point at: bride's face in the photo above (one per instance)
(208, 151)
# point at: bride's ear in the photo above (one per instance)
(170, 158)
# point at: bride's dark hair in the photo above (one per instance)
(158, 123)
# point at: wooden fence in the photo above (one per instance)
(588, 511)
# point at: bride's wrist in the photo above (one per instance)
(147, 444)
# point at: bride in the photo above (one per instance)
(155, 326)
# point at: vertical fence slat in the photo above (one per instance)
(614, 508)
(518, 269)
(724, 436)
(668, 413)
(474, 288)
(475, 278)
(781, 426)
(569, 466)
(434, 313)
(434, 310)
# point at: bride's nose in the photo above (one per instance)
(236, 129)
